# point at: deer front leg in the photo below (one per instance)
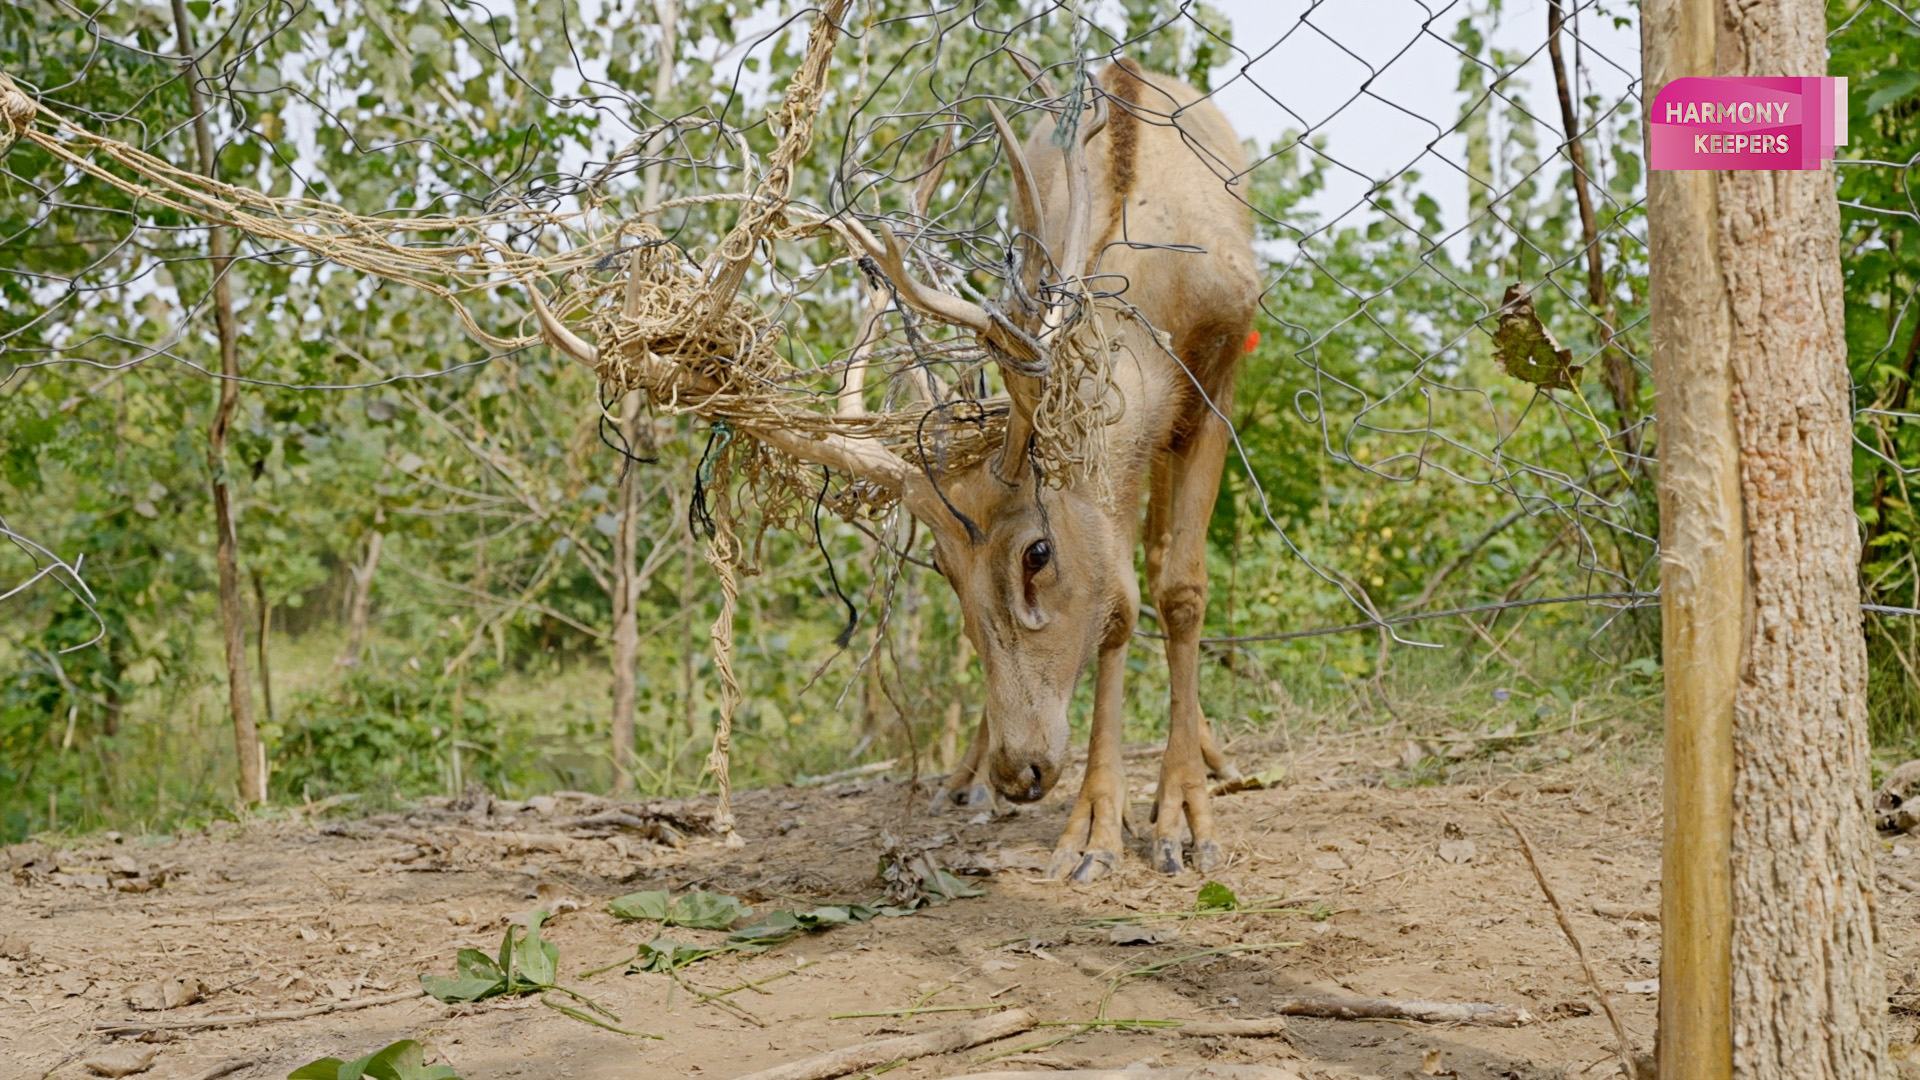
(1089, 849)
(1180, 593)
(966, 785)
(1159, 535)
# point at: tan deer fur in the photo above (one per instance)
(1045, 574)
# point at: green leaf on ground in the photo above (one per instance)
(1216, 897)
(397, 1061)
(697, 910)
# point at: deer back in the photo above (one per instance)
(1166, 173)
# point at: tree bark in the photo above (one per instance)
(1809, 1000)
(246, 739)
(1770, 956)
(361, 610)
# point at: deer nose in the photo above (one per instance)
(1023, 781)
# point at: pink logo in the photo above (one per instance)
(1729, 122)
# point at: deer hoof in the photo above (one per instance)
(1166, 855)
(1094, 866)
(1208, 857)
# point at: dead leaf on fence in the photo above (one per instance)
(1527, 349)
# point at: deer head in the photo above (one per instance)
(1044, 573)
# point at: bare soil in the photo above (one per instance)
(1428, 893)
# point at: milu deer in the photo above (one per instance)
(1139, 207)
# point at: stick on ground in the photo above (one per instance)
(242, 1019)
(1429, 1012)
(868, 1055)
(1172, 1073)
(227, 1068)
(1566, 927)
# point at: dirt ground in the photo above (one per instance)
(1428, 893)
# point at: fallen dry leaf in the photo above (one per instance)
(1643, 986)
(72, 983)
(121, 1060)
(1458, 851)
(160, 994)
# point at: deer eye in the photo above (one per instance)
(1038, 555)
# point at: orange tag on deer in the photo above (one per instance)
(1253, 340)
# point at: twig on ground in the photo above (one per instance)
(1906, 883)
(1170, 1073)
(242, 1019)
(1624, 1046)
(916, 1011)
(869, 1055)
(868, 769)
(1427, 1012)
(1627, 911)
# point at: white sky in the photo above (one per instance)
(1312, 59)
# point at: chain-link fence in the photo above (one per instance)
(1447, 414)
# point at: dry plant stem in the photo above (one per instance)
(1264, 1028)
(246, 738)
(1623, 1045)
(868, 1055)
(242, 1019)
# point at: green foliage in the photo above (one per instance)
(1878, 48)
(717, 911)
(393, 733)
(698, 910)
(397, 1061)
(1379, 440)
(1215, 897)
(526, 964)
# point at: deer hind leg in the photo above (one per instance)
(966, 785)
(1180, 594)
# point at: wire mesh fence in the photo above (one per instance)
(1446, 413)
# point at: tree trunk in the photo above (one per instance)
(626, 600)
(626, 541)
(246, 740)
(1621, 378)
(1809, 999)
(360, 612)
(1770, 956)
(266, 628)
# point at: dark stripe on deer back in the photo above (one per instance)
(1123, 143)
